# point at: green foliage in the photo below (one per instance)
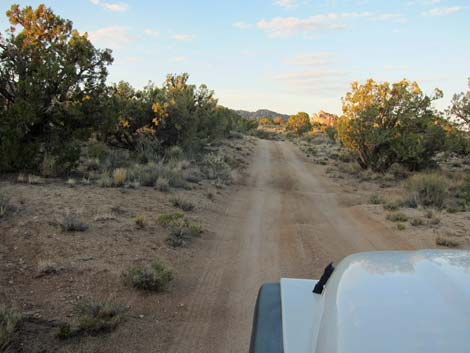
(9, 319)
(265, 121)
(155, 277)
(331, 132)
(299, 123)
(460, 107)
(52, 79)
(385, 124)
(168, 219)
(427, 189)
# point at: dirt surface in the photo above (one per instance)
(286, 220)
(282, 218)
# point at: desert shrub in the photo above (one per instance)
(401, 226)
(385, 124)
(299, 123)
(9, 319)
(434, 221)
(182, 203)
(416, 222)
(119, 177)
(265, 121)
(140, 221)
(397, 217)
(427, 189)
(447, 242)
(71, 222)
(105, 180)
(47, 267)
(155, 277)
(331, 132)
(167, 219)
(215, 167)
(376, 199)
(465, 190)
(114, 159)
(146, 175)
(391, 205)
(100, 317)
(182, 232)
(163, 184)
(4, 206)
(175, 152)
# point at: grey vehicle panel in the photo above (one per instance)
(407, 302)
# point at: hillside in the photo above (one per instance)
(261, 113)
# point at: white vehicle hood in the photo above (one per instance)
(392, 302)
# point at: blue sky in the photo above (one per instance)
(284, 55)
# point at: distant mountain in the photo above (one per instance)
(261, 113)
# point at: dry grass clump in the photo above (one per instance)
(140, 221)
(416, 222)
(71, 222)
(105, 180)
(181, 229)
(447, 242)
(95, 318)
(9, 319)
(155, 277)
(119, 177)
(397, 217)
(47, 267)
(4, 206)
(182, 203)
(427, 189)
(163, 184)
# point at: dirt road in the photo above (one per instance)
(285, 220)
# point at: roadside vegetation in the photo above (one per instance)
(396, 152)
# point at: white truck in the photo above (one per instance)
(387, 302)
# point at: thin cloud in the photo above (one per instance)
(241, 25)
(287, 4)
(318, 59)
(111, 6)
(287, 26)
(151, 32)
(112, 37)
(395, 68)
(179, 58)
(183, 37)
(442, 11)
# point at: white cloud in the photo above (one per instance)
(396, 17)
(111, 6)
(151, 32)
(286, 3)
(311, 59)
(441, 11)
(241, 25)
(183, 37)
(287, 26)
(112, 37)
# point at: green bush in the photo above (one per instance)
(155, 277)
(299, 123)
(385, 124)
(95, 318)
(53, 102)
(427, 189)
